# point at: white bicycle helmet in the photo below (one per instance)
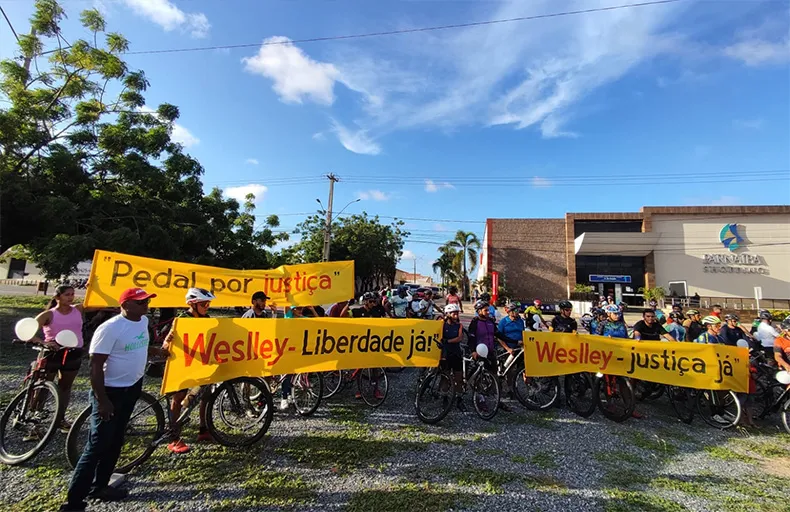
(199, 295)
(611, 308)
(451, 308)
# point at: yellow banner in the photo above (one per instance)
(691, 365)
(296, 285)
(208, 350)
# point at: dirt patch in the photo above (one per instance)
(779, 466)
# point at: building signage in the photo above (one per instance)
(730, 238)
(600, 278)
(734, 264)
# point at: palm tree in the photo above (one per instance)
(466, 244)
(444, 264)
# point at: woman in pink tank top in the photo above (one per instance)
(62, 315)
(454, 298)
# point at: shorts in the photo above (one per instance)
(56, 363)
(453, 360)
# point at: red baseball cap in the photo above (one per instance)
(135, 294)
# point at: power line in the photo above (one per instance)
(405, 31)
(9, 23)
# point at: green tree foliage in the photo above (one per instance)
(84, 165)
(374, 247)
(446, 266)
(467, 246)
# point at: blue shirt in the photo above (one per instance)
(706, 337)
(613, 329)
(676, 330)
(513, 330)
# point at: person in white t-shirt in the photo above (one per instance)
(119, 352)
(766, 333)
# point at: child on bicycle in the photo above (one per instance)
(199, 301)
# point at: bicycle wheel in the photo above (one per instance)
(683, 401)
(786, 415)
(579, 394)
(765, 398)
(146, 426)
(235, 420)
(307, 389)
(333, 382)
(29, 422)
(536, 393)
(644, 390)
(719, 409)
(373, 385)
(485, 394)
(435, 397)
(615, 397)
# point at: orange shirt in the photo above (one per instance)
(782, 345)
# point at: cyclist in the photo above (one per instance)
(61, 315)
(486, 297)
(258, 309)
(339, 309)
(693, 325)
(766, 333)
(732, 331)
(427, 306)
(199, 301)
(648, 329)
(454, 298)
(399, 303)
(564, 322)
(716, 310)
(782, 346)
(613, 327)
(675, 327)
(678, 309)
(659, 313)
(712, 334)
(512, 328)
(531, 311)
(483, 329)
(598, 316)
(369, 307)
(452, 336)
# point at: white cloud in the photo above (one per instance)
(431, 186)
(319, 136)
(251, 161)
(408, 255)
(179, 133)
(355, 141)
(168, 16)
(375, 195)
(539, 182)
(749, 124)
(758, 52)
(241, 192)
(296, 76)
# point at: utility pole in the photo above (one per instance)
(328, 227)
(415, 269)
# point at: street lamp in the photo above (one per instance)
(328, 226)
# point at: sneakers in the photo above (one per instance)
(358, 396)
(64, 426)
(178, 446)
(285, 403)
(205, 437)
(109, 494)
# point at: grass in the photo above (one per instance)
(407, 497)
(544, 460)
(617, 457)
(491, 481)
(545, 483)
(653, 443)
(489, 451)
(625, 478)
(27, 301)
(631, 501)
(728, 454)
(675, 434)
(769, 449)
(269, 489)
(518, 459)
(687, 487)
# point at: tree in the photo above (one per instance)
(467, 245)
(374, 247)
(83, 168)
(445, 265)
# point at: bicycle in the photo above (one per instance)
(438, 387)
(34, 414)
(372, 384)
(613, 395)
(534, 393)
(230, 404)
(719, 409)
(307, 390)
(772, 393)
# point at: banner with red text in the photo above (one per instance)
(208, 350)
(691, 365)
(295, 285)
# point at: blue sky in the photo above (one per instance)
(469, 123)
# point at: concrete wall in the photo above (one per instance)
(530, 255)
(685, 239)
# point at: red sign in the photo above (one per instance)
(494, 285)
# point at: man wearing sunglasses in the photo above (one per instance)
(119, 352)
(649, 329)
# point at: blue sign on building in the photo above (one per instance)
(600, 278)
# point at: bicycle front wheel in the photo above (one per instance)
(579, 394)
(235, 420)
(683, 401)
(536, 393)
(719, 409)
(146, 426)
(615, 397)
(333, 382)
(373, 385)
(29, 422)
(435, 397)
(307, 389)
(485, 394)
(786, 415)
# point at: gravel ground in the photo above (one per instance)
(351, 457)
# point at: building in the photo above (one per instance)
(403, 277)
(714, 251)
(16, 269)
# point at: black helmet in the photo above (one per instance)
(731, 316)
(513, 306)
(565, 304)
(368, 296)
(485, 296)
(675, 315)
(786, 323)
(766, 315)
